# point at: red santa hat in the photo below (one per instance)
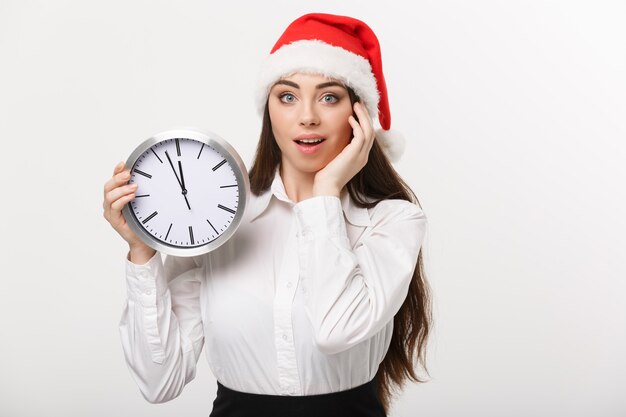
(339, 47)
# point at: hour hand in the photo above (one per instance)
(182, 180)
(182, 177)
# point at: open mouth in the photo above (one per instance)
(309, 146)
(309, 142)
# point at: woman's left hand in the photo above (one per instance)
(334, 176)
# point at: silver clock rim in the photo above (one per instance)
(231, 156)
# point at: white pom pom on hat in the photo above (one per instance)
(392, 142)
(339, 47)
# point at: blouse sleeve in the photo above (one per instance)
(350, 294)
(161, 325)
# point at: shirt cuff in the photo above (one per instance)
(320, 216)
(145, 283)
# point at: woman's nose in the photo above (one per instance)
(308, 115)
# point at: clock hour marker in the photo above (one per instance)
(177, 147)
(226, 186)
(142, 173)
(156, 155)
(168, 231)
(226, 208)
(191, 235)
(219, 165)
(200, 151)
(143, 195)
(212, 226)
(149, 217)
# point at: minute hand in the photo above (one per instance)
(174, 169)
(179, 182)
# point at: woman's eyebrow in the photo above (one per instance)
(285, 82)
(319, 86)
(329, 84)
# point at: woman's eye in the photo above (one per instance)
(329, 98)
(287, 98)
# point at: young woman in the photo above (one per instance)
(318, 305)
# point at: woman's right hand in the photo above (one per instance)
(116, 194)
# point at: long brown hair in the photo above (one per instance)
(378, 180)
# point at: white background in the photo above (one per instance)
(515, 119)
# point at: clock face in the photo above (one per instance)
(187, 194)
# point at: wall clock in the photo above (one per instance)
(192, 189)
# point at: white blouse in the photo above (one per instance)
(299, 301)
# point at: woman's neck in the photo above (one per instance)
(298, 184)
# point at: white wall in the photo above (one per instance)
(514, 114)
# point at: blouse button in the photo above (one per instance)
(284, 337)
(289, 284)
(148, 291)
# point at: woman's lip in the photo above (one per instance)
(309, 149)
(322, 140)
(309, 136)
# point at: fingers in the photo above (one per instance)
(363, 111)
(113, 214)
(115, 201)
(118, 168)
(118, 205)
(363, 129)
(117, 193)
(359, 137)
(365, 121)
(120, 177)
(114, 195)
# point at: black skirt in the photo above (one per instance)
(360, 401)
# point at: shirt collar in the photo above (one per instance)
(357, 216)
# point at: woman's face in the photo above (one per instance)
(312, 106)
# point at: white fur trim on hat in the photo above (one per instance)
(317, 57)
(392, 142)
